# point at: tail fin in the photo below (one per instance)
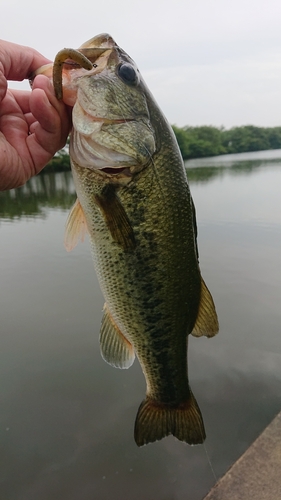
(154, 421)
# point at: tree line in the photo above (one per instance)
(200, 142)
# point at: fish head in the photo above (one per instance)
(112, 131)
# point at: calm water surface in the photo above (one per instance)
(67, 418)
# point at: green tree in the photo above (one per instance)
(247, 138)
(197, 142)
(183, 141)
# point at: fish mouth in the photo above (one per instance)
(109, 121)
(117, 171)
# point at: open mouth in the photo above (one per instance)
(116, 171)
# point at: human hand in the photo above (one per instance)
(33, 124)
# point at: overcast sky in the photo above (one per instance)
(207, 62)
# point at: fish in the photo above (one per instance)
(134, 200)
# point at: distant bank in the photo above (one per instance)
(201, 142)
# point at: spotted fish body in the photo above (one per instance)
(134, 200)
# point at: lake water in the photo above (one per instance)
(67, 418)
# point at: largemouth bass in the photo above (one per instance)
(135, 203)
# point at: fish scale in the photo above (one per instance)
(143, 290)
(134, 200)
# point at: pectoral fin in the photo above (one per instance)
(115, 348)
(116, 218)
(207, 321)
(76, 227)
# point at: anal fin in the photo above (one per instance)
(207, 321)
(115, 348)
(76, 227)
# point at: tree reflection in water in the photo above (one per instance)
(44, 190)
(56, 190)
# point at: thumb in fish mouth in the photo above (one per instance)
(85, 58)
(71, 59)
(60, 58)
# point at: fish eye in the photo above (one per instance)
(128, 74)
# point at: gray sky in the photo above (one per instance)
(207, 62)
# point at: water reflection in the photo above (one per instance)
(205, 174)
(57, 190)
(206, 169)
(40, 192)
(66, 420)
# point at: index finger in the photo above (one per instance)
(19, 61)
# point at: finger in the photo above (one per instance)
(51, 128)
(44, 112)
(22, 98)
(43, 83)
(30, 120)
(18, 61)
(3, 86)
